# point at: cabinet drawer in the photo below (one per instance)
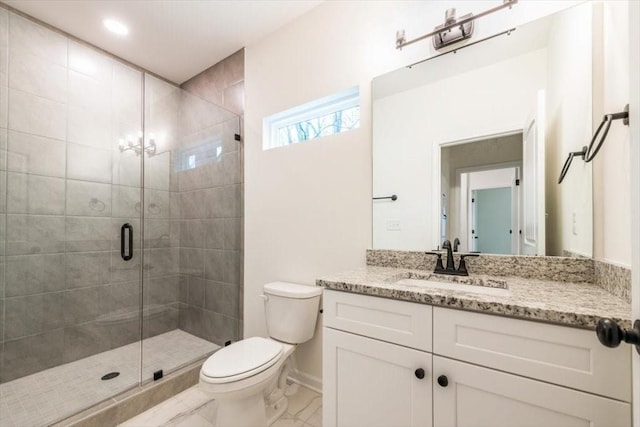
(399, 322)
(556, 354)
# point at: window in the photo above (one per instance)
(199, 153)
(327, 116)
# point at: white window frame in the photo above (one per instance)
(320, 107)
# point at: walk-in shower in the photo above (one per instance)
(119, 225)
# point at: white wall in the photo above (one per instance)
(569, 128)
(308, 207)
(611, 168)
(634, 116)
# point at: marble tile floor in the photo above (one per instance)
(194, 408)
(56, 393)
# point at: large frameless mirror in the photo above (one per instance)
(471, 144)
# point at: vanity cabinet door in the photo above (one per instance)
(474, 396)
(371, 383)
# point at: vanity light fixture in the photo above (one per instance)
(116, 27)
(452, 30)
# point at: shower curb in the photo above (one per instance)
(128, 404)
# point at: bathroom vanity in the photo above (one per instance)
(398, 350)
(459, 147)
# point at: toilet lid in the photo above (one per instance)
(243, 356)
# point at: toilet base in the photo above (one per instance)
(250, 411)
(275, 411)
(247, 411)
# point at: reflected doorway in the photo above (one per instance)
(491, 218)
(481, 196)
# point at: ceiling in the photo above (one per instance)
(175, 39)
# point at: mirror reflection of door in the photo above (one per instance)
(533, 212)
(487, 163)
(491, 219)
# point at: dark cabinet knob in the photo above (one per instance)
(420, 373)
(443, 380)
(611, 334)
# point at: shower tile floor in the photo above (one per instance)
(53, 394)
(194, 408)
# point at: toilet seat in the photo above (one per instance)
(241, 360)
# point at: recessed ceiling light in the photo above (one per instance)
(116, 27)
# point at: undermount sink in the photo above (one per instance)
(476, 285)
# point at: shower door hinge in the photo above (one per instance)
(236, 137)
(157, 375)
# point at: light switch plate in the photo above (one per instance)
(393, 225)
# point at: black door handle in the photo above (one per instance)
(126, 256)
(611, 334)
(419, 373)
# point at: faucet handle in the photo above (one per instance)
(462, 267)
(439, 267)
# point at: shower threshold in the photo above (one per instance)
(53, 394)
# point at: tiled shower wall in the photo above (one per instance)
(65, 198)
(211, 233)
(161, 230)
(4, 44)
(65, 190)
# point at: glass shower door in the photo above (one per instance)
(192, 228)
(70, 178)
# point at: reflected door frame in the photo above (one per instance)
(437, 172)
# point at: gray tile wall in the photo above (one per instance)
(65, 190)
(211, 220)
(4, 103)
(162, 210)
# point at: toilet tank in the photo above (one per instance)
(291, 311)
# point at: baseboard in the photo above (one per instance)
(309, 381)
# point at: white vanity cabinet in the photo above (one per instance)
(479, 369)
(479, 397)
(373, 381)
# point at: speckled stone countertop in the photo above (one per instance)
(572, 304)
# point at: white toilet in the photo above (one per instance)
(248, 378)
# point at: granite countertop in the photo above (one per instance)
(572, 304)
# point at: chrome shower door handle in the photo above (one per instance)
(126, 255)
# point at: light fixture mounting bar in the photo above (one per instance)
(401, 42)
